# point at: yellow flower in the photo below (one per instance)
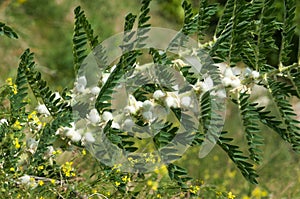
(17, 125)
(52, 181)
(12, 169)
(9, 81)
(126, 179)
(83, 152)
(230, 195)
(68, 169)
(17, 144)
(41, 183)
(94, 191)
(153, 185)
(41, 167)
(194, 189)
(258, 193)
(15, 89)
(158, 196)
(117, 183)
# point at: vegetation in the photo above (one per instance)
(45, 145)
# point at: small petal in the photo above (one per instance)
(186, 101)
(95, 90)
(42, 109)
(106, 116)
(82, 81)
(148, 115)
(255, 74)
(93, 116)
(158, 94)
(89, 137)
(147, 105)
(3, 121)
(226, 81)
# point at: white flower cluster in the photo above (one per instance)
(233, 77)
(80, 87)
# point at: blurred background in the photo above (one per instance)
(47, 26)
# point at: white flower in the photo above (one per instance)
(226, 81)
(106, 116)
(236, 83)
(133, 106)
(75, 136)
(186, 101)
(89, 137)
(25, 179)
(158, 94)
(147, 115)
(172, 100)
(128, 124)
(82, 81)
(49, 151)
(3, 121)
(93, 116)
(42, 109)
(130, 109)
(72, 133)
(115, 125)
(228, 73)
(95, 90)
(147, 105)
(255, 74)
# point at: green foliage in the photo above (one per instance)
(7, 31)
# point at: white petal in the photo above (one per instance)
(3, 121)
(171, 102)
(106, 116)
(236, 83)
(158, 94)
(255, 74)
(226, 81)
(93, 116)
(95, 90)
(186, 101)
(42, 109)
(115, 125)
(147, 105)
(82, 81)
(147, 115)
(89, 137)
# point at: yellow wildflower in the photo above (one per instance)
(17, 144)
(83, 152)
(68, 170)
(126, 179)
(41, 167)
(12, 169)
(15, 89)
(52, 181)
(230, 195)
(117, 183)
(41, 182)
(9, 81)
(158, 196)
(17, 125)
(194, 189)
